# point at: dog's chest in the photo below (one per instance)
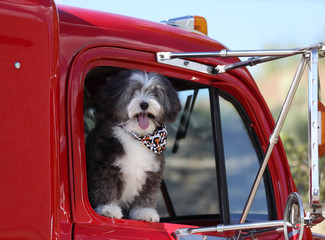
(134, 164)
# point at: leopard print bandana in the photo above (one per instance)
(156, 142)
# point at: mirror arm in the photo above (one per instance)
(275, 135)
(308, 54)
(272, 141)
(182, 232)
(293, 218)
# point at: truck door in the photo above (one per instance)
(28, 131)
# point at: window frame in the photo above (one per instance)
(87, 60)
(83, 63)
(219, 156)
(215, 93)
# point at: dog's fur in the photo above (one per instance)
(123, 175)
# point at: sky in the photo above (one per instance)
(240, 25)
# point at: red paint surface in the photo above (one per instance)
(29, 120)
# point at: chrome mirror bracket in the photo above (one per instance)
(313, 134)
(293, 222)
(293, 216)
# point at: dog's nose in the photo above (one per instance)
(144, 105)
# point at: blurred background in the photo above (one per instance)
(247, 25)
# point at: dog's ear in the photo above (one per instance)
(111, 95)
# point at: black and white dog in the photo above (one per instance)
(124, 151)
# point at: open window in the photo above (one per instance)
(212, 155)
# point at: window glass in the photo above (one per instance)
(190, 173)
(242, 164)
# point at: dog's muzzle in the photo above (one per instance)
(143, 117)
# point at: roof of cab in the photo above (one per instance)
(136, 33)
(82, 28)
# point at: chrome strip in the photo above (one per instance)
(231, 53)
(313, 129)
(187, 64)
(241, 53)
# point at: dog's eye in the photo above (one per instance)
(157, 93)
(159, 96)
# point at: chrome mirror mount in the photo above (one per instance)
(294, 208)
(293, 223)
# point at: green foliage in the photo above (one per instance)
(297, 154)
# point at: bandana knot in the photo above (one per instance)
(156, 141)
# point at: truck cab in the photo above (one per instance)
(54, 61)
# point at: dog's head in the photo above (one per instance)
(140, 101)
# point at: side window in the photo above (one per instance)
(190, 173)
(242, 164)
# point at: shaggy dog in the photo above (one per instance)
(124, 151)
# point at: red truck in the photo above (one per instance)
(226, 176)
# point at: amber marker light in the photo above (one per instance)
(200, 24)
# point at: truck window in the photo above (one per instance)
(242, 164)
(190, 173)
(190, 190)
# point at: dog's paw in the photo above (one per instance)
(144, 214)
(109, 210)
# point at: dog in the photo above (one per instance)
(124, 152)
